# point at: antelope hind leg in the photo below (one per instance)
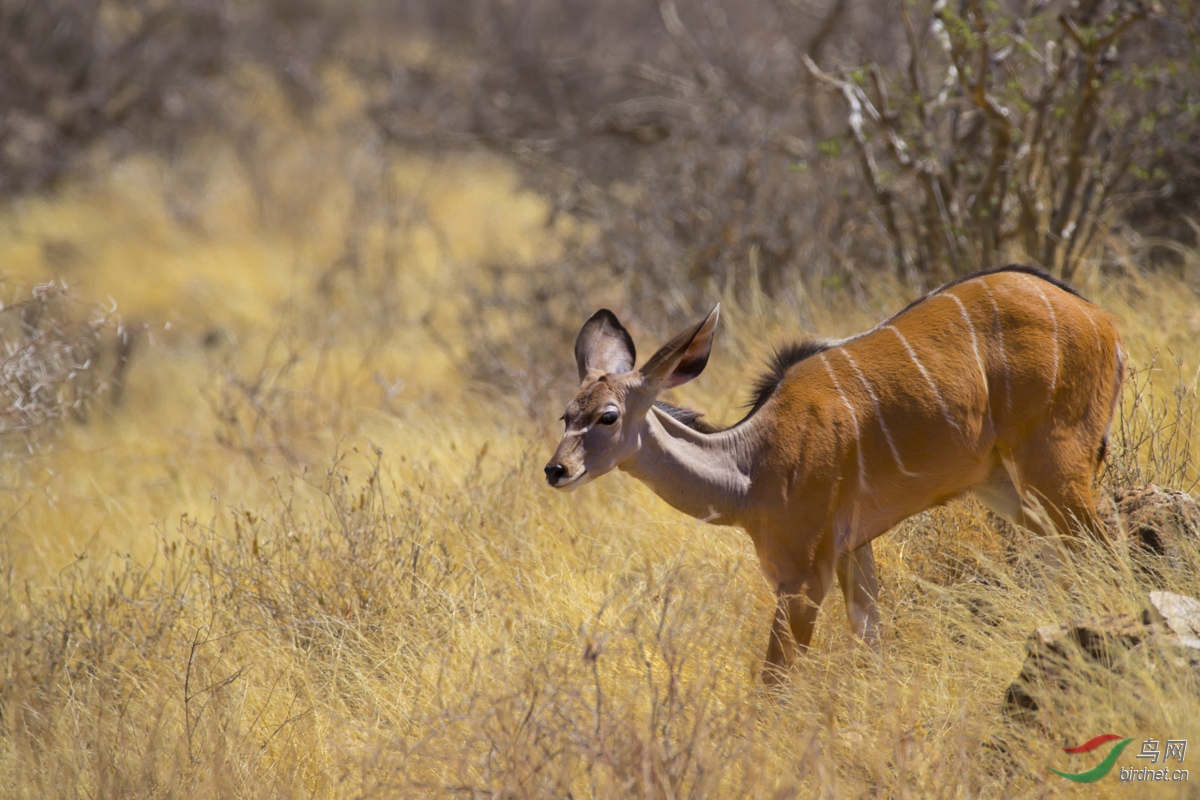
(860, 588)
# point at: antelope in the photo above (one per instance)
(1002, 383)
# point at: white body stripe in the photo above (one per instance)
(1053, 330)
(928, 379)
(862, 464)
(999, 341)
(978, 358)
(878, 414)
(1095, 330)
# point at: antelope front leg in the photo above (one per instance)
(860, 588)
(791, 631)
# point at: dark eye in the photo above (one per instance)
(608, 418)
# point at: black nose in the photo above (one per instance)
(554, 472)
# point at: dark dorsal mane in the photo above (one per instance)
(762, 388)
(688, 417)
(782, 360)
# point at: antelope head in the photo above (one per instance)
(605, 421)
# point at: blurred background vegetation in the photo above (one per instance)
(289, 288)
(692, 147)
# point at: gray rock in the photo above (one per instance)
(1158, 521)
(1169, 627)
(1180, 616)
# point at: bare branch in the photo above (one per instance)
(858, 105)
(710, 75)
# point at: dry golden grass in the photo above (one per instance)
(303, 558)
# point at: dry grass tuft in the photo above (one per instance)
(51, 360)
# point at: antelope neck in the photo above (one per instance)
(704, 475)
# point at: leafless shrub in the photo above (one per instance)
(50, 365)
(673, 131)
(676, 128)
(1018, 133)
(72, 72)
(691, 132)
(694, 138)
(77, 72)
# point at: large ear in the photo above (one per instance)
(685, 356)
(603, 346)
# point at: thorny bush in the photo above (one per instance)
(50, 360)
